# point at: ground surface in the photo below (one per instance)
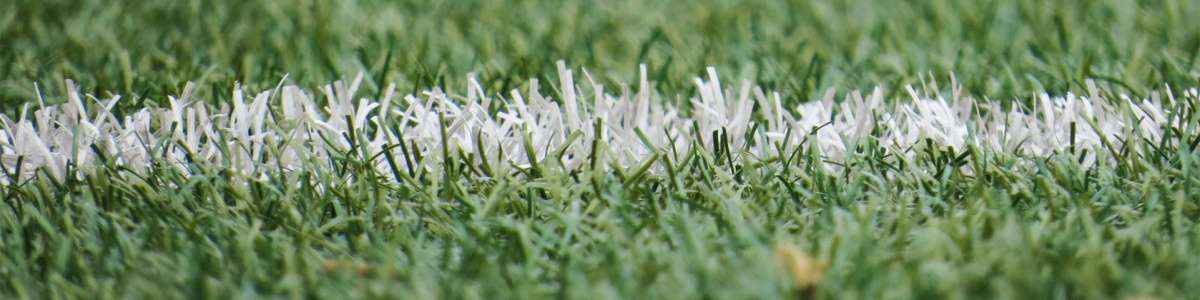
(1101, 202)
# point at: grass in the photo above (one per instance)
(1004, 49)
(719, 219)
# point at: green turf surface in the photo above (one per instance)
(1002, 49)
(919, 227)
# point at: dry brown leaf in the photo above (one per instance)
(358, 267)
(805, 269)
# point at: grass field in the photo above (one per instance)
(598, 149)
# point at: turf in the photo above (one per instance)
(1002, 49)
(699, 214)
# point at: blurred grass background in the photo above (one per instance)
(1004, 49)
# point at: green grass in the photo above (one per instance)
(889, 227)
(1003, 49)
